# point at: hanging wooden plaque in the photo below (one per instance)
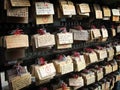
(20, 3)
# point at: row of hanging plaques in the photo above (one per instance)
(43, 12)
(43, 72)
(45, 40)
(63, 39)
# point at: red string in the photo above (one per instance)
(46, 4)
(63, 86)
(108, 64)
(113, 26)
(78, 27)
(42, 61)
(93, 26)
(89, 50)
(98, 68)
(18, 68)
(60, 57)
(76, 54)
(75, 76)
(41, 32)
(103, 26)
(18, 32)
(44, 88)
(86, 71)
(118, 57)
(63, 29)
(100, 48)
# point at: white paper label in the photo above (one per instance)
(76, 81)
(113, 32)
(98, 14)
(106, 11)
(65, 38)
(66, 68)
(80, 63)
(47, 70)
(80, 35)
(110, 52)
(116, 12)
(104, 33)
(99, 75)
(46, 40)
(17, 12)
(93, 57)
(118, 48)
(96, 33)
(103, 54)
(44, 8)
(68, 9)
(16, 41)
(84, 8)
(20, 3)
(118, 29)
(82, 58)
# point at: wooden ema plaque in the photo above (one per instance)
(20, 3)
